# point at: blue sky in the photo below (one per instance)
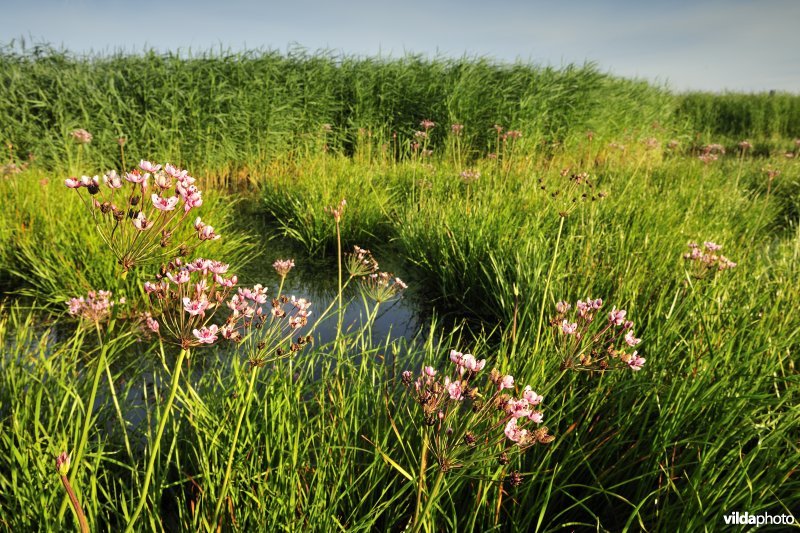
(712, 45)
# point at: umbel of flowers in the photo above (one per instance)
(589, 338)
(706, 260)
(475, 417)
(471, 418)
(138, 213)
(375, 285)
(184, 299)
(95, 306)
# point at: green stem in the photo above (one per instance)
(432, 497)
(114, 398)
(547, 286)
(423, 464)
(242, 414)
(76, 506)
(157, 444)
(339, 262)
(87, 422)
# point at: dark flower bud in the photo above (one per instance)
(515, 479)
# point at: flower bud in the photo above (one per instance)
(62, 463)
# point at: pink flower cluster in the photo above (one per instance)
(360, 263)
(466, 422)
(95, 306)
(283, 266)
(262, 326)
(706, 259)
(382, 286)
(470, 175)
(427, 124)
(138, 212)
(81, 136)
(185, 297)
(589, 344)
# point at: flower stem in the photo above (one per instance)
(87, 422)
(114, 397)
(432, 497)
(242, 414)
(423, 464)
(339, 261)
(76, 506)
(547, 286)
(157, 444)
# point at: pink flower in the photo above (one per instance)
(229, 332)
(636, 362)
(455, 390)
(218, 267)
(562, 307)
(518, 408)
(230, 282)
(597, 304)
(617, 317)
(567, 328)
(180, 277)
(536, 417)
(204, 231)
(73, 183)
(206, 335)
(162, 181)
(630, 339)
(113, 180)
(164, 204)
(283, 266)
(531, 396)
(456, 357)
(506, 382)
(147, 166)
(175, 172)
(137, 177)
(81, 136)
(195, 307)
(192, 197)
(301, 304)
(86, 181)
(514, 433)
(152, 323)
(472, 364)
(429, 371)
(141, 223)
(712, 246)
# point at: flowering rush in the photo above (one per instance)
(139, 213)
(472, 414)
(589, 337)
(705, 260)
(95, 306)
(264, 327)
(184, 299)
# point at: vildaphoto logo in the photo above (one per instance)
(742, 519)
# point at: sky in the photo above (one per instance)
(711, 45)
